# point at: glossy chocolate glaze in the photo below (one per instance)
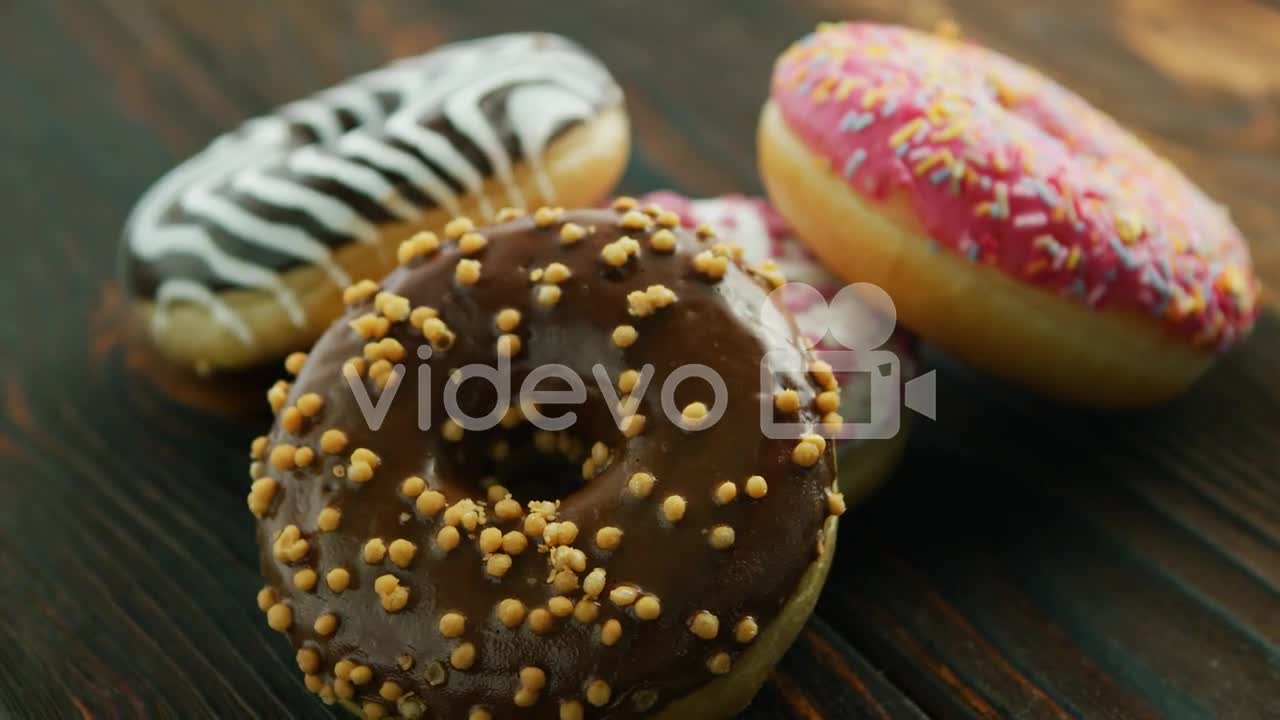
(655, 662)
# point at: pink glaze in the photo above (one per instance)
(1012, 170)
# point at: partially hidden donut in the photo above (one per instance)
(866, 460)
(1013, 224)
(239, 255)
(653, 564)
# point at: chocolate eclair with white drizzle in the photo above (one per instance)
(656, 563)
(239, 255)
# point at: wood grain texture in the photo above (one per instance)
(1028, 561)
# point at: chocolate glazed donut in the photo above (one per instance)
(655, 564)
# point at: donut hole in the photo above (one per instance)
(532, 463)
(540, 465)
(528, 463)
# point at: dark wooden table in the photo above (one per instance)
(1027, 560)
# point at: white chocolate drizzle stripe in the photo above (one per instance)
(285, 239)
(435, 146)
(550, 83)
(464, 112)
(316, 162)
(359, 101)
(193, 240)
(176, 289)
(364, 147)
(540, 119)
(315, 115)
(333, 214)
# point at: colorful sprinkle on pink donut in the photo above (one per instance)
(1014, 171)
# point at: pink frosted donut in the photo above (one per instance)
(1073, 258)
(751, 222)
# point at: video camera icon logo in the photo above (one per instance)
(860, 319)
